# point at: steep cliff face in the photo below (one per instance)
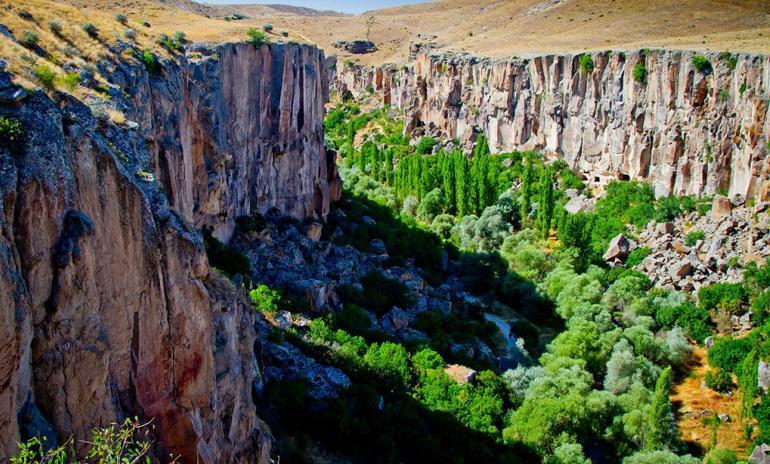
(237, 130)
(108, 307)
(688, 132)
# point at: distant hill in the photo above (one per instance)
(483, 27)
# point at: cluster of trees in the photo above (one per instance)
(599, 388)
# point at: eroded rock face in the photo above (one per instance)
(108, 308)
(686, 131)
(239, 130)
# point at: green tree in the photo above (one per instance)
(660, 433)
(546, 202)
(527, 187)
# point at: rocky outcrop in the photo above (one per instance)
(108, 308)
(686, 131)
(718, 246)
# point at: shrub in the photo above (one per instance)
(129, 34)
(146, 23)
(180, 37)
(719, 380)
(265, 299)
(692, 238)
(45, 75)
(29, 39)
(381, 293)
(225, 257)
(720, 456)
(121, 18)
(389, 361)
(636, 257)
(91, 29)
(425, 145)
(640, 72)
(256, 37)
(701, 63)
(151, 63)
(667, 209)
(586, 64)
(11, 132)
(55, 27)
(727, 296)
(71, 80)
(727, 353)
(267, 27)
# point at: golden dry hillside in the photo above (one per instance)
(527, 27)
(486, 28)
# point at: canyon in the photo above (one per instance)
(688, 132)
(109, 306)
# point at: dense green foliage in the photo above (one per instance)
(586, 64)
(701, 63)
(11, 132)
(256, 37)
(601, 346)
(225, 257)
(640, 72)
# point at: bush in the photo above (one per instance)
(265, 299)
(721, 456)
(130, 34)
(640, 72)
(256, 37)
(225, 257)
(29, 39)
(667, 209)
(55, 27)
(425, 145)
(727, 353)
(11, 132)
(701, 64)
(390, 362)
(267, 27)
(586, 64)
(636, 257)
(725, 296)
(381, 293)
(692, 238)
(121, 18)
(180, 37)
(151, 63)
(719, 380)
(45, 75)
(91, 29)
(71, 80)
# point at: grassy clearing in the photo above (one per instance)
(690, 398)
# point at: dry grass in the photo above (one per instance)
(690, 400)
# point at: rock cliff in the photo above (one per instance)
(686, 131)
(108, 307)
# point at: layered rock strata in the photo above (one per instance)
(108, 307)
(687, 131)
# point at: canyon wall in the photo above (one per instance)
(686, 131)
(108, 307)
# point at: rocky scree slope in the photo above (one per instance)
(687, 131)
(108, 307)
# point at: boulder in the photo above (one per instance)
(356, 47)
(575, 205)
(314, 230)
(397, 318)
(760, 455)
(460, 374)
(283, 319)
(763, 376)
(680, 270)
(721, 206)
(618, 249)
(665, 228)
(378, 247)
